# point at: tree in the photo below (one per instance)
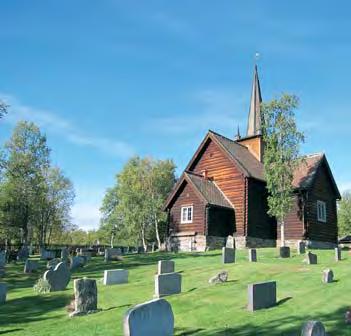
(281, 155)
(3, 108)
(344, 215)
(133, 207)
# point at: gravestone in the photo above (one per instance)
(337, 251)
(262, 295)
(112, 254)
(165, 266)
(301, 247)
(219, 278)
(154, 318)
(168, 284)
(140, 249)
(58, 278)
(51, 264)
(85, 253)
(64, 254)
(284, 252)
(328, 276)
(2, 263)
(3, 293)
(313, 328)
(228, 255)
(85, 297)
(118, 276)
(230, 242)
(23, 253)
(46, 254)
(30, 266)
(311, 258)
(77, 261)
(252, 255)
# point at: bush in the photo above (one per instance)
(42, 286)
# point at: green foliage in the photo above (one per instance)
(132, 208)
(281, 155)
(42, 286)
(3, 108)
(344, 215)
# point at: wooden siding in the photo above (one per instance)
(187, 196)
(254, 145)
(220, 221)
(322, 190)
(260, 224)
(227, 177)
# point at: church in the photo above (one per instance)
(222, 192)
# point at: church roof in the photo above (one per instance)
(254, 121)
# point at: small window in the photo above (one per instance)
(321, 211)
(187, 214)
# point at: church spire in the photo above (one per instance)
(254, 122)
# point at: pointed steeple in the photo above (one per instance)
(254, 122)
(238, 136)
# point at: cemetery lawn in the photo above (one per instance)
(201, 309)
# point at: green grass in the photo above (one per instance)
(201, 309)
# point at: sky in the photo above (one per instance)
(106, 80)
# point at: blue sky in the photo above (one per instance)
(109, 79)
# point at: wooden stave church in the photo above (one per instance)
(222, 192)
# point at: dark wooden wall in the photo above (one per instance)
(220, 221)
(187, 196)
(322, 190)
(228, 178)
(260, 224)
(294, 221)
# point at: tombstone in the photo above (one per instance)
(154, 318)
(77, 261)
(112, 254)
(165, 266)
(85, 253)
(140, 249)
(2, 263)
(167, 284)
(118, 276)
(262, 295)
(58, 278)
(23, 253)
(252, 255)
(284, 252)
(337, 251)
(85, 297)
(230, 242)
(219, 278)
(301, 247)
(313, 328)
(47, 254)
(311, 258)
(30, 266)
(64, 254)
(3, 293)
(228, 255)
(51, 264)
(328, 276)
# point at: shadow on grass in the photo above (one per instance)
(9, 331)
(31, 308)
(333, 322)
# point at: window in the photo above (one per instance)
(187, 214)
(321, 211)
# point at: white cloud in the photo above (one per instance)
(86, 215)
(60, 126)
(345, 186)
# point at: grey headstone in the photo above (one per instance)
(3, 293)
(165, 266)
(228, 255)
(30, 266)
(85, 253)
(311, 258)
(219, 278)
(112, 254)
(230, 242)
(313, 328)
(262, 295)
(85, 296)
(64, 254)
(168, 284)
(301, 247)
(51, 264)
(337, 251)
(328, 276)
(252, 255)
(2, 258)
(58, 278)
(284, 252)
(23, 253)
(46, 254)
(150, 318)
(77, 261)
(118, 276)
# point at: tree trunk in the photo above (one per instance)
(112, 239)
(282, 233)
(143, 237)
(157, 233)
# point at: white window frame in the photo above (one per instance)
(321, 211)
(187, 220)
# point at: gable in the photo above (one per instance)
(323, 184)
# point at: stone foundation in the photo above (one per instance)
(193, 242)
(242, 242)
(311, 244)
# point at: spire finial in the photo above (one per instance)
(238, 136)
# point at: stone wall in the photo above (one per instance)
(242, 242)
(312, 244)
(195, 242)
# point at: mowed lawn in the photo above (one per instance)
(201, 309)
